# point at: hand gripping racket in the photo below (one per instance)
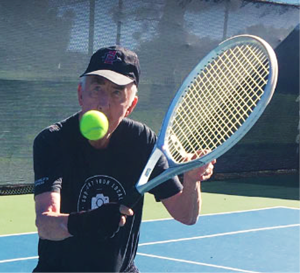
(217, 104)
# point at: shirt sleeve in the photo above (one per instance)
(47, 161)
(167, 188)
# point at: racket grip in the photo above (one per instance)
(132, 198)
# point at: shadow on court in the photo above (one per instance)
(277, 186)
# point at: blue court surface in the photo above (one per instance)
(265, 240)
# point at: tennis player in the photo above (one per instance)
(80, 183)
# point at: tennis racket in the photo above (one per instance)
(217, 104)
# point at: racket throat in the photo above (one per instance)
(156, 154)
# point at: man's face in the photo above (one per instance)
(115, 101)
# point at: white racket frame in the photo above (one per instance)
(160, 148)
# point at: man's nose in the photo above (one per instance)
(104, 100)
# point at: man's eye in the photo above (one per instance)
(117, 93)
(95, 91)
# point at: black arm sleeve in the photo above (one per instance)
(47, 161)
(102, 222)
(168, 188)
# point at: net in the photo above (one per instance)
(45, 46)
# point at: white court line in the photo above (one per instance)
(229, 212)
(218, 235)
(284, 207)
(18, 259)
(165, 219)
(18, 234)
(197, 263)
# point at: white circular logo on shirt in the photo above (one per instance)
(99, 190)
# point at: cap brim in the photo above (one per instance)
(112, 76)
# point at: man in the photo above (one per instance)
(80, 183)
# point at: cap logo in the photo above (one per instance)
(110, 57)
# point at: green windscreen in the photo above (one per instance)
(46, 45)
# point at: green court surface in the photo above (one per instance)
(17, 212)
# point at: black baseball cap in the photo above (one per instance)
(115, 63)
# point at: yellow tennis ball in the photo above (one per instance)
(93, 125)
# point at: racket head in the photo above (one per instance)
(219, 101)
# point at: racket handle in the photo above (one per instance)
(131, 199)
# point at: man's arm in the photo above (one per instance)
(53, 225)
(185, 206)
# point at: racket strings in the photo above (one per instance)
(214, 121)
(218, 101)
(233, 83)
(227, 95)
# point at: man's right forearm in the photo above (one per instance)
(52, 226)
(103, 222)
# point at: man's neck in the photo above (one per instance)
(101, 143)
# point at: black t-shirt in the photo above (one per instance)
(65, 162)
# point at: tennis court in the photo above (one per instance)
(247, 225)
(262, 240)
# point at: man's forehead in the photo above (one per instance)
(102, 80)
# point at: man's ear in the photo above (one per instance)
(79, 94)
(132, 106)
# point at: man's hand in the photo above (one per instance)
(104, 222)
(202, 173)
(125, 212)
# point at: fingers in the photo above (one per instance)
(204, 172)
(198, 154)
(122, 221)
(208, 171)
(208, 167)
(125, 211)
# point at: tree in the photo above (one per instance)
(33, 34)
